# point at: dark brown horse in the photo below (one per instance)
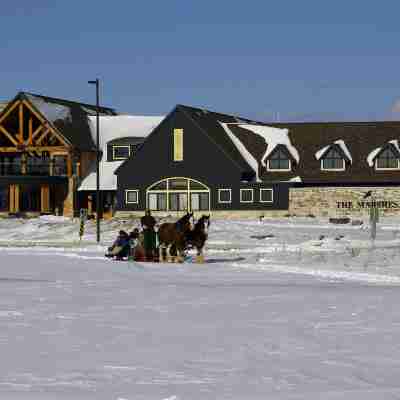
(198, 236)
(173, 234)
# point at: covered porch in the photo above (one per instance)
(30, 196)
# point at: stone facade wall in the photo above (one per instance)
(343, 201)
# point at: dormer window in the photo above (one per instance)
(334, 157)
(333, 160)
(279, 161)
(121, 152)
(387, 160)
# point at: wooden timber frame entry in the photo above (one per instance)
(26, 135)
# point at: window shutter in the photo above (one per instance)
(178, 144)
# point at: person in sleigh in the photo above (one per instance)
(120, 248)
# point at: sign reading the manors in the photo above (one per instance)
(383, 204)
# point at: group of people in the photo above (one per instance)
(136, 245)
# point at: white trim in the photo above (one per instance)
(252, 196)
(333, 169)
(126, 196)
(280, 170)
(386, 169)
(272, 195)
(120, 145)
(230, 196)
(187, 190)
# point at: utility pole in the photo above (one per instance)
(97, 83)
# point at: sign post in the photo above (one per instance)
(83, 213)
(373, 219)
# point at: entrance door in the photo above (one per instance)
(178, 201)
(30, 198)
(200, 201)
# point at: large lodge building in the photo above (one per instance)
(192, 159)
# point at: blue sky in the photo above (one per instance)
(299, 60)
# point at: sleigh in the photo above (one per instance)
(174, 240)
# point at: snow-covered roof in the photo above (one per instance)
(52, 111)
(115, 127)
(372, 155)
(273, 137)
(242, 150)
(108, 181)
(395, 143)
(120, 126)
(342, 146)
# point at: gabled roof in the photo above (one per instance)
(249, 143)
(360, 138)
(393, 145)
(210, 124)
(69, 117)
(340, 146)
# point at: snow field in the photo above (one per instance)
(283, 309)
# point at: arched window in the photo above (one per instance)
(387, 159)
(333, 160)
(279, 161)
(178, 194)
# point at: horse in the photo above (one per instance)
(173, 234)
(198, 236)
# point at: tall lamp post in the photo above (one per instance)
(97, 83)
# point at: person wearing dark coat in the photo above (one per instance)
(148, 223)
(120, 247)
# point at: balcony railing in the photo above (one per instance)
(33, 168)
(10, 168)
(38, 168)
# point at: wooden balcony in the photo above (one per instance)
(17, 166)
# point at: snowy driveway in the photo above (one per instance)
(74, 327)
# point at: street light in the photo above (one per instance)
(97, 83)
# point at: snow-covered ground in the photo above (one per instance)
(282, 309)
